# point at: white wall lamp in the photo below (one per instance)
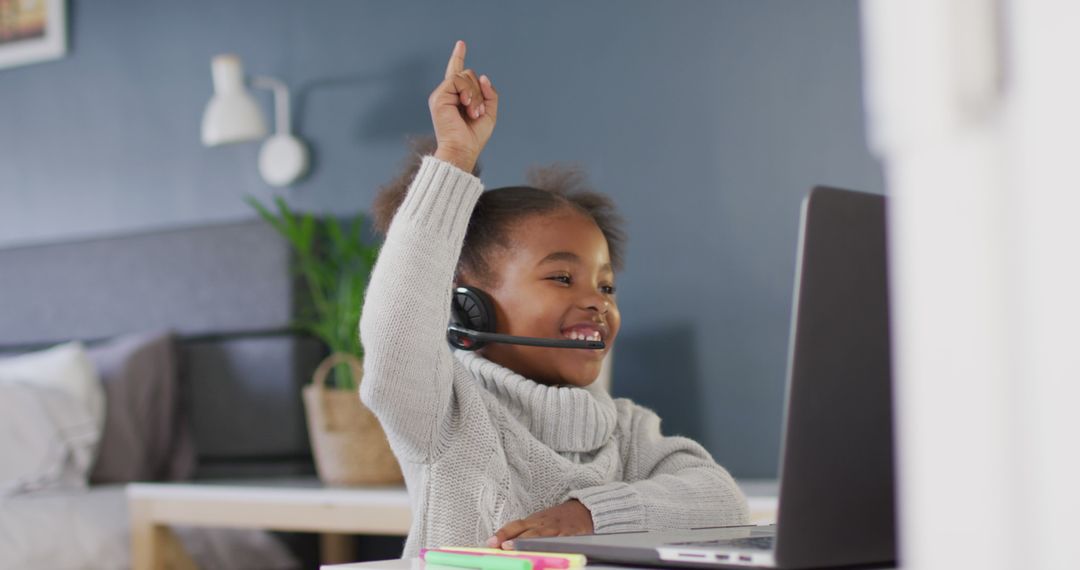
(233, 115)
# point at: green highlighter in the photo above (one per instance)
(482, 562)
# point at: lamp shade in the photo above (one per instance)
(232, 115)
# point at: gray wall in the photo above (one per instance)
(707, 121)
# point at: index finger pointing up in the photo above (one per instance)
(457, 60)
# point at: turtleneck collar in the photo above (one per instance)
(566, 418)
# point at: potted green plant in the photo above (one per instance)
(334, 262)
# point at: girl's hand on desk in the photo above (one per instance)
(568, 519)
(463, 111)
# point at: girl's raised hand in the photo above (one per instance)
(463, 111)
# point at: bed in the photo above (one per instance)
(187, 331)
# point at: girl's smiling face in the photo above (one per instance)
(554, 280)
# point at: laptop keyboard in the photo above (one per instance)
(753, 542)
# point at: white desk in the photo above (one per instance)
(760, 494)
(299, 505)
(418, 564)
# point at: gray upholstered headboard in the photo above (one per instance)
(227, 290)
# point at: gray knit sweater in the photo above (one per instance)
(480, 445)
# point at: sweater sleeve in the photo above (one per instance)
(670, 483)
(408, 365)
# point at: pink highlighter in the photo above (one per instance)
(539, 562)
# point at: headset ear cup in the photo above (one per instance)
(472, 309)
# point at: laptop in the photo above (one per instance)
(836, 503)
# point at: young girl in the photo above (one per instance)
(513, 441)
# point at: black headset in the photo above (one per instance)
(472, 325)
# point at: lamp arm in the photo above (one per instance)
(282, 120)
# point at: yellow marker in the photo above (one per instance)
(576, 560)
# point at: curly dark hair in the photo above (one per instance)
(549, 189)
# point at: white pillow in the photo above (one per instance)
(47, 439)
(65, 367)
(52, 411)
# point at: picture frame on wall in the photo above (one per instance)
(32, 31)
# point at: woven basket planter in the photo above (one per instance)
(350, 446)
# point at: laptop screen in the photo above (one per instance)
(836, 498)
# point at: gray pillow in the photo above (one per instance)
(146, 436)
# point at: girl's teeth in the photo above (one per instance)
(575, 335)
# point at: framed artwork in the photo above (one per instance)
(32, 31)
